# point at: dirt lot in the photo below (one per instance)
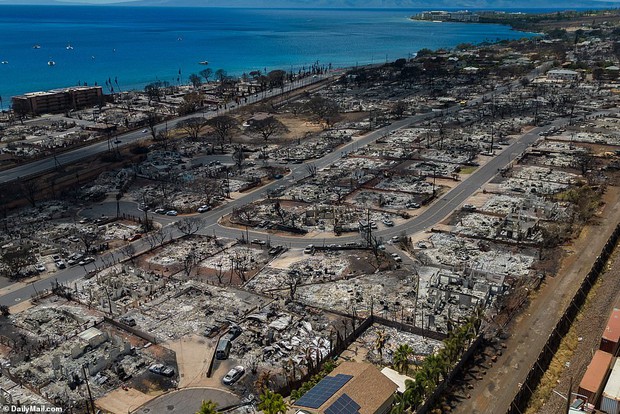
(495, 384)
(588, 328)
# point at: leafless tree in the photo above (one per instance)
(219, 273)
(30, 189)
(192, 126)
(151, 122)
(585, 161)
(190, 261)
(238, 260)
(293, 279)
(17, 258)
(156, 238)
(129, 251)
(239, 156)
(88, 238)
(188, 226)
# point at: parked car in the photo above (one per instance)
(162, 369)
(127, 320)
(397, 257)
(86, 261)
(172, 213)
(233, 375)
(60, 264)
(40, 267)
(259, 241)
(204, 208)
(160, 211)
(135, 237)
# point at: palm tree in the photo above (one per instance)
(207, 407)
(272, 403)
(401, 358)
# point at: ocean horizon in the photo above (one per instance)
(139, 45)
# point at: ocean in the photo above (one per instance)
(136, 46)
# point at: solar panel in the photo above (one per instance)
(322, 391)
(343, 405)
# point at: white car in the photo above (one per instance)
(162, 369)
(144, 131)
(233, 375)
(40, 267)
(204, 208)
(172, 213)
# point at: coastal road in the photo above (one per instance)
(69, 157)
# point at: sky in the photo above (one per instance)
(505, 4)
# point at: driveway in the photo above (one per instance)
(187, 401)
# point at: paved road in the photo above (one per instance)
(435, 213)
(69, 157)
(187, 401)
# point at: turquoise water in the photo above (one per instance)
(137, 46)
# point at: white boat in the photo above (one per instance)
(204, 62)
(69, 47)
(36, 47)
(50, 63)
(5, 62)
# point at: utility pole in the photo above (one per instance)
(90, 395)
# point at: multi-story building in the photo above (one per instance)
(58, 100)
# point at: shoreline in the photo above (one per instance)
(141, 49)
(525, 22)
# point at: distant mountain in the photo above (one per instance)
(429, 4)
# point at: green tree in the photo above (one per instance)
(207, 407)
(154, 91)
(272, 403)
(206, 74)
(324, 109)
(195, 80)
(401, 358)
(267, 127)
(223, 127)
